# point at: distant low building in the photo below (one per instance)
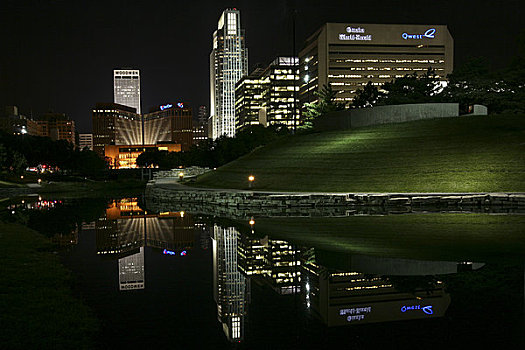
(85, 141)
(200, 127)
(56, 126)
(12, 122)
(125, 156)
(169, 123)
(115, 124)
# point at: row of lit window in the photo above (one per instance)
(387, 60)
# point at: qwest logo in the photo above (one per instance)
(426, 309)
(430, 34)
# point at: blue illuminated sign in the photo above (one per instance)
(169, 105)
(171, 252)
(430, 34)
(426, 309)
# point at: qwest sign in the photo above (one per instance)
(429, 34)
(426, 309)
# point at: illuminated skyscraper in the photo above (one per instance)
(131, 271)
(126, 88)
(228, 63)
(231, 286)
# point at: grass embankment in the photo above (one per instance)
(38, 309)
(442, 237)
(465, 154)
(111, 188)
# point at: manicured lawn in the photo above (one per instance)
(95, 189)
(441, 237)
(465, 154)
(38, 309)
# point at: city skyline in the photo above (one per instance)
(59, 40)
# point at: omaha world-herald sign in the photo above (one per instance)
(366, 32)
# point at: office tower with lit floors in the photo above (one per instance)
(231, 287)
(228, 64)
(347, 56)
(126, 88)
(269, 96)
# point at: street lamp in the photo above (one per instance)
(251, 179)
(181, 175)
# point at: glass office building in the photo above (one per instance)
(228, 64)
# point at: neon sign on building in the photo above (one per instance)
(169, 105)
(430, 34)
(426, 309)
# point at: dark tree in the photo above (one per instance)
(411, 88)
(325, 104)
(366, 97)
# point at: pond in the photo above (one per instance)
(177, 279)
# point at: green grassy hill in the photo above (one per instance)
(465, 154)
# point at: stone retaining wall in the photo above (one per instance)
(174, 173)
(287, 204)
(391, 114)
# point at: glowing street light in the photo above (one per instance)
(252, 222)
(251, 179)
(181, 175)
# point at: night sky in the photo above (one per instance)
(60, 55)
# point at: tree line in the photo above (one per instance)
(501, 91)
(215, 153)
(17, 152)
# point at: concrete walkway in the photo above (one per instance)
(173, 184)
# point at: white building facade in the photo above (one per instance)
(126, 88)
(228, 64)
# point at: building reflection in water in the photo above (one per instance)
(231, 287)
(131, 271)
(125, 229)
(346, 298)
(336, 296)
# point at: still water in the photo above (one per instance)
(177, 279)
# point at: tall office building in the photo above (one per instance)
(348, 56)
(228, 64)
(231, 287)
(267, 96)
(126, 88)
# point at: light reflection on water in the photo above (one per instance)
(246, 268)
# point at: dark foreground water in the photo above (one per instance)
(183, 280)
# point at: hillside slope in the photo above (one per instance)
(465, 154)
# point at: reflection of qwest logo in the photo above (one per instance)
(430, 34)
(426, 309)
